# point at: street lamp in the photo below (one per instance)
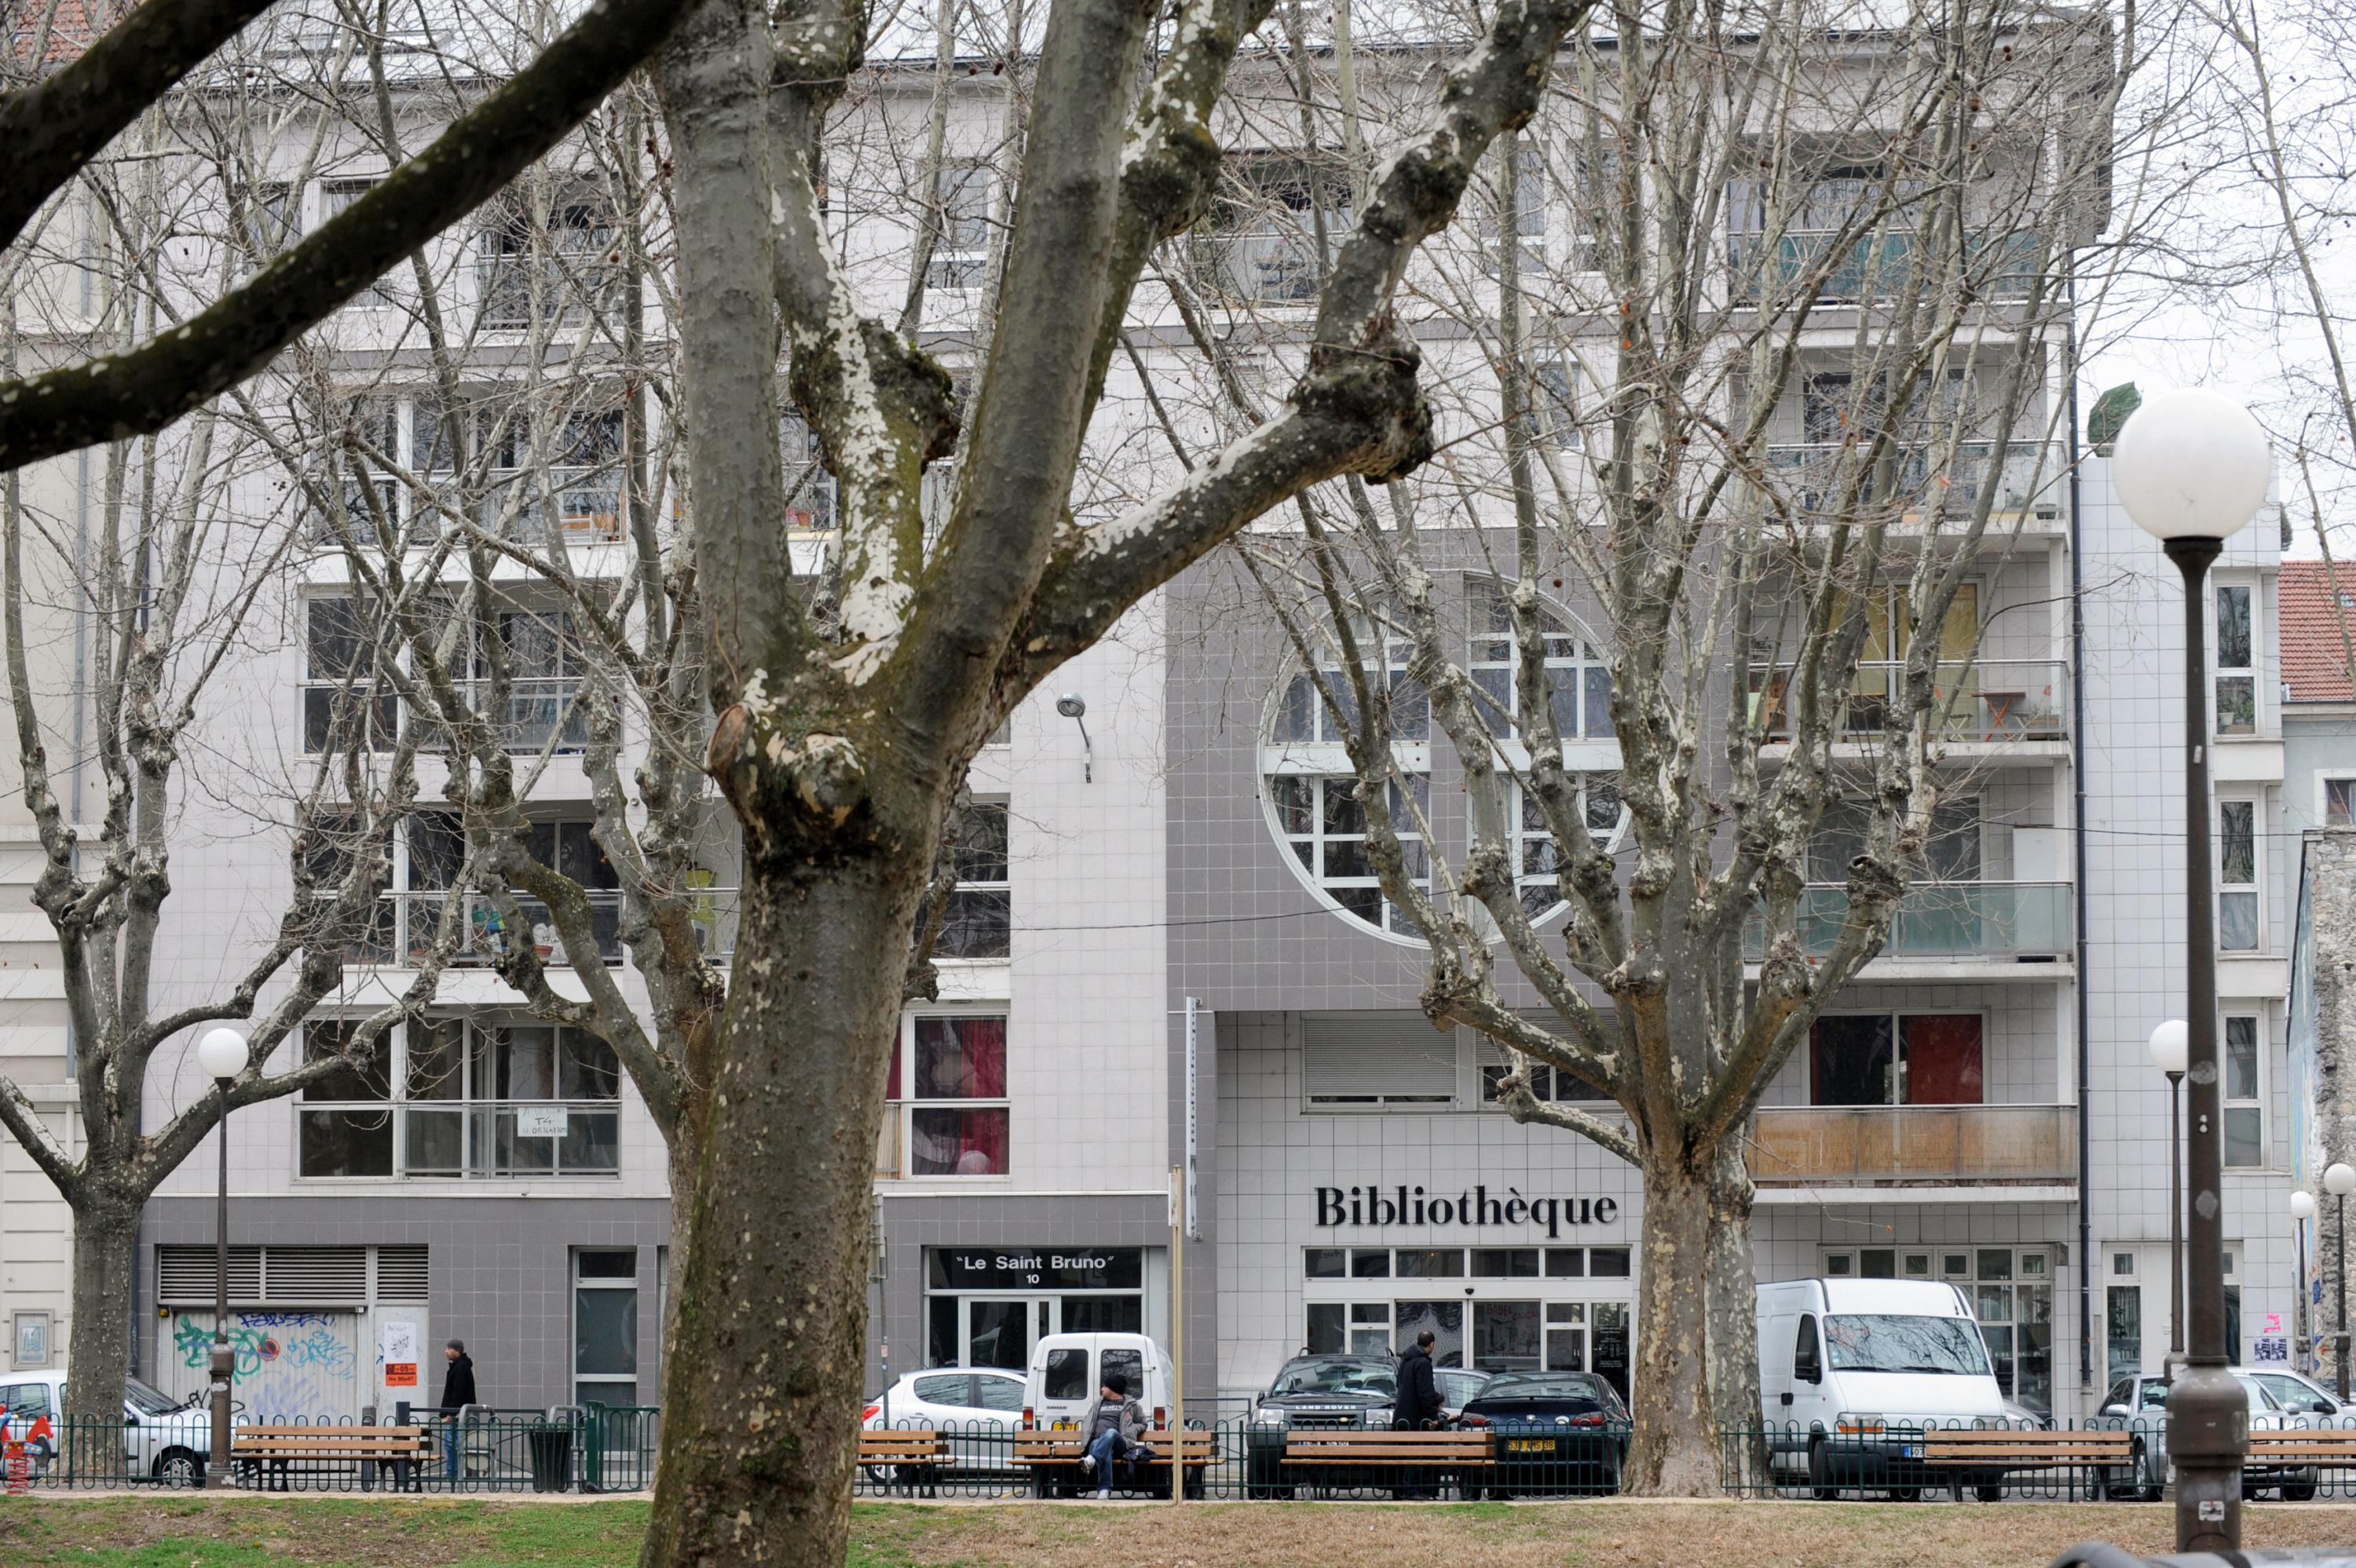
(2339, 1181)
(2302, 1210)
(2170, 1045)
(2191, 468)
(221, 1055)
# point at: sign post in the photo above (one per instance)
(1178, 1196)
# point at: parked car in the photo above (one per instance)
(1555, 1431)
(1320, 1392)
(2301, 1396)
(2142, 1405)
(1851, 1371)
(1060, 1392)
(977, 1407)
(164, 1439)
(1458, 1386)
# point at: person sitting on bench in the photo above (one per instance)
(1116, 1423)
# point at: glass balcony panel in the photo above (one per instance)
(1946, 920)
(1983, 701)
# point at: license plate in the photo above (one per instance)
(1065, 1426)
(1913, 1451)
(1529, 1446)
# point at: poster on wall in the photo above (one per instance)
(32, 1337)
(397, 1349)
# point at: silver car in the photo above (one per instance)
(977, 1407)
(2142, 1405)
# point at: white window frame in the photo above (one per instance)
(1001, 886)
(579, 1284)
(2255, 889)
(960, 258)
(2254, 1102)
(901, 1114)
(2220, 672)
(1532, 841)
(2323, 788)
(338, 192)
(1306, 850)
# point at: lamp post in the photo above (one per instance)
(2191, 468)
(2171, 1044)
(222, 1054)
(2339, 1181)
(2302, 1210)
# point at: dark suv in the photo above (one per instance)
(1325, 1392)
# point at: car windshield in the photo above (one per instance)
(1367, 1378)
(146, 1398)
(1887, 1342)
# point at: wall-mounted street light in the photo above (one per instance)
(221, 1055)
(2191, 468)
(1073, 706)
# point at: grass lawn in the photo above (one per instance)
(261, 1532)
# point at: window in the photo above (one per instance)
(1303, 714)
(1262, 240)
(980, 918)
(479, 1098)
(1554, 403)
(543, 265)
(1373, 1059)
(274, 219)
(348, 705)
(948, 1079)
(1547, 1083)
(355, 1136)
(2244, 1108)
(606, 1327)
(2011, 1293)
(571, 849)
(1902, 1059)
(1534, 841)
(335, 196)
(544, 663)
(587, 460)
(961, 243)
(1321, 821)
(394, 461)
(2340, 802)
(1530, 215)
(2238, 921)
(810, 490)
(2237, 677)
(1578, 675)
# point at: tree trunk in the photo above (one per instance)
(761, 1416)
(1734, 1327)
(98, 1352)
(1674, 1451)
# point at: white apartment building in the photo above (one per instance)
(1165, 960)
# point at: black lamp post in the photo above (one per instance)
(2191, 468)
(2170, 1044)
(2339, 1180)
(222, 1054)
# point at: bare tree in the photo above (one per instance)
(1880, 238)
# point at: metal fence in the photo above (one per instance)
(598, 1448)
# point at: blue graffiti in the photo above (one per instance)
(284, 1320)
(320, 1349)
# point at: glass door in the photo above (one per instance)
(1506, 1336)
(1446, 1321)
(1000, 1329)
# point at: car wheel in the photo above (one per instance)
(2299, 1491)
(1820, 1474)
(1989, 1493)
(1610, 1486)
(180, 1468)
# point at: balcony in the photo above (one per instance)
(405, 925)
(1871, 267)
(459, 1139)
(1945, 920)
(2030, 479)
(1914, 1146)
(1979, 702)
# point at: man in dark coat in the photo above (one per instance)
(1417, 1406)
(457, 1393)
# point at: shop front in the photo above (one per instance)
(986, 1307)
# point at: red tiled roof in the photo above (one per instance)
(72, 24)
(2317, 624)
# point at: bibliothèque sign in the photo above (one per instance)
(1476, 1207)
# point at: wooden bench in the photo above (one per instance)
(1464, 1454)
(916, 1455)
(1999, 1449)
(2308, 1449)
(1054, 1458)
(403, 1448)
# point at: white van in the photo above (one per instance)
(1066, 1370)
(1851, 1369)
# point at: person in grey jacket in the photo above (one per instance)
(1114, 1426)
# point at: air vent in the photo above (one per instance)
(401, 1274)
(186, 1275)
(314, 1275)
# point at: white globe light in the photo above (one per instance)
(2191, 464)
(2302, 1205)
(222, 1053)
(2339, 1180)
(2171, 1046)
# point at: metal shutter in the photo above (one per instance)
(401, 1274)
(1376, 1059)
(312, 1276)
(185, 1275)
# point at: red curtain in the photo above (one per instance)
(985, 1055)
(1942, 1059)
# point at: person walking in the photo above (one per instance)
(1418, 1405)
(1116, 1423)
(457, 1393)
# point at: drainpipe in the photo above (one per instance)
(2078, 852)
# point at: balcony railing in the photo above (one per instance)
(1946, 920)
(460, 1138)
(1900, 1145)
(540, 708)
(1878, 267)
(402, 930)
(1948, 480)
(1985, 700)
